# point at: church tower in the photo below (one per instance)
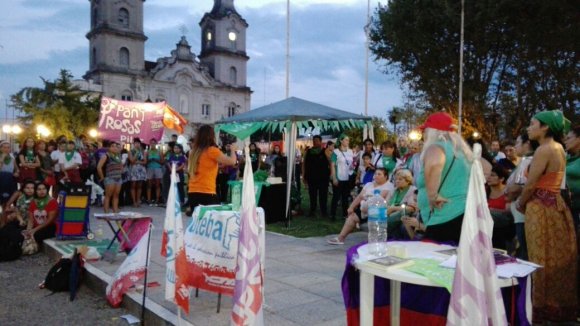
(116, 39)
(223, 48)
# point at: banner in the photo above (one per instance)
(211, 248)
(175, 278)
(476, 297)
(249, 286)
(124, 120)
(130, 272)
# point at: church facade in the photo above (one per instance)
(203, 88)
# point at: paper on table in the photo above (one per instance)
(521, 268)
(510, 270)
(451, 262)
(130, 319)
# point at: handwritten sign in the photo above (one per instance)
(124, 120)
(211, 247)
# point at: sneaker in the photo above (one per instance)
(334, 241)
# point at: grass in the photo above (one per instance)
(304, 227)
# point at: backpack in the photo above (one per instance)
(10, 242)
(65, 275)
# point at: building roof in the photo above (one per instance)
(223, 8)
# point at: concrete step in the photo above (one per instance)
(97, 281)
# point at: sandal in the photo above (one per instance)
(335, 241)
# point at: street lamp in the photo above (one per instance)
(414, 135)
(11, 130)
(93, 133)
(42, 131)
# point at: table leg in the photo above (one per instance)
(121, 226)
(395, 303)
(114, 232)
(367, 296)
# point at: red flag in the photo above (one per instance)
(130, 272)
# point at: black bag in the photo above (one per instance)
(57, 279)
(10, 242)
(65, 275)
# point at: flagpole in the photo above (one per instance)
(146, 272)
(461, 67)
(287, 48)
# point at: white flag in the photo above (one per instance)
(248, 293)
(476, 297)
(130, 272)
(173, 243)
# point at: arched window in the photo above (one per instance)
(94, 17)
(124, 17)
(93, 57)
(124, 57)
(233, 75)
(232, 109)
(183, 103)
(126, 95)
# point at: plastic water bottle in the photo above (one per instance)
(377, 219)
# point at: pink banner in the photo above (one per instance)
(124, 120)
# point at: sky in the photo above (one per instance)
(327, 51)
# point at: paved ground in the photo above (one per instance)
(22, 303)
(302, 286)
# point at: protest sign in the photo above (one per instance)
(124, 120)
(211, 247)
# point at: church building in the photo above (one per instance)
(204, 88)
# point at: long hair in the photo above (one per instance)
(24, 147)
(459, 145)
(391, 144)
(204, 139)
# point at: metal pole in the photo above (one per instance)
(287, 48)
(367, 29)
(461, 66)
(145, 281)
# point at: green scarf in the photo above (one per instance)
(555, 120)
(7, 159)
(315, 150)
(69, 155)
(116, 158)
(138, 154)
(41, 202)
(387, 160)
(29, 156)
(398, 196)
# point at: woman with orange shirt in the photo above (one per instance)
(203, 168)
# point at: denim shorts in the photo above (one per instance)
(154, 173)
(113, 181)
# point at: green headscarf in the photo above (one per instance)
(555, 120)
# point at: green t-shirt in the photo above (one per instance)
(454, 188)
(153, 159)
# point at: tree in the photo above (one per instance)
(395, 117)
(60, 105)
(379, 130)
(520, 56)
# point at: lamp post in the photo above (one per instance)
(42, 131)
(414, 135)
(11, 130)
(93, 133)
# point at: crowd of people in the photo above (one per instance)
(533, 187)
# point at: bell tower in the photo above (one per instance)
(116, 38)
(223, 44)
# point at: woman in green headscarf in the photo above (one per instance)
(549, 228)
